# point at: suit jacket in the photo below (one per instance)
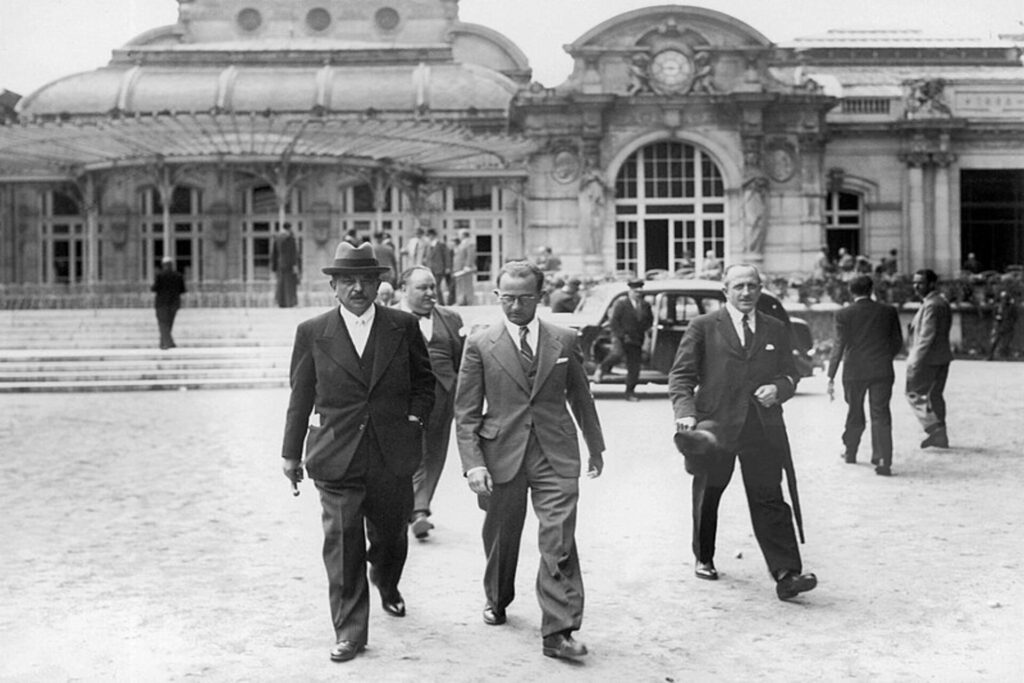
(928, 339)
(492, 374)
(169, 285)
(868, 337)
(284, 253)
(326, 376)
(713, 378)
(628, 323)
(464, 257)
(445, 348)
(437, 257)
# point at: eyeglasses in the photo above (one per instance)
(365, 280)
(522, 299)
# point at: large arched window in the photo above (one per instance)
(186, 231)
(669, 209)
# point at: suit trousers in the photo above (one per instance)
(879, 393)
(165, 321)
(370, 494)
(761, 467)
(559, 582)
(435, 450)
(632, 354)
(924, 393)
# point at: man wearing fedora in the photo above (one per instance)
(731, 374)
(364, 372)
(630, 319)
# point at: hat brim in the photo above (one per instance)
(357, 270)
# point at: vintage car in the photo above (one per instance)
(674, 302)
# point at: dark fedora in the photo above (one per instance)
(635, 283)
(700, 445)
(355, 260)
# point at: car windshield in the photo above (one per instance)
(595, 300)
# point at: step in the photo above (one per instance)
(144, 385)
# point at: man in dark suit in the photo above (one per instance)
(437, 257)
(442, 330)
(630, 319)
(928, 359)
(868, 337)
(169, 285)
(731, 374)
(528, 374)
(365, 371)
(284, 261)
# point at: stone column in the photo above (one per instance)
(944, 260)
(916, 233)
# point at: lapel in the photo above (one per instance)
(386, 335)
(728, 332)
(760, 334)
(337, 344)
(505, 352)
(549, 349)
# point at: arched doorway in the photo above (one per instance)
(669, 209)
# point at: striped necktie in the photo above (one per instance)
(524, 344)
(748, 334)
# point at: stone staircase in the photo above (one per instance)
(116, 349)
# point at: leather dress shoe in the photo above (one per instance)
(421, 526)
(849, 457)
(632, 398)
(562, 646)
(937, 438)
(883, 471)
(494, 616)
(390, 600)
(791, 584)
(344, 650)
(706, 571)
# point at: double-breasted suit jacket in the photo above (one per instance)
(497, 439)
(327, 376)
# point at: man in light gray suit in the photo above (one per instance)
(528, 374)
(928, 359)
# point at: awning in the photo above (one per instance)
(63, 149)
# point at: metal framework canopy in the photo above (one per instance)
(59, 150)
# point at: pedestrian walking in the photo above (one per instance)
(1004, 321)
(442, 331)
(629, 320)
(566, 298)
(732, 372)
(464, 270)
(364, 371)
(928, 359)
(528, 373)
(285, 262)
(168, 285)
(868, 337)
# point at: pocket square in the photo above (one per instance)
(769, 347)
(561, 360)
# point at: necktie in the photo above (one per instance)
(748, 334)
(524, 345)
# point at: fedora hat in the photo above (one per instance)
(635, 283)
(355, 260)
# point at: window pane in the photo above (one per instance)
(471, 196)
(64, 205)
(362, 199)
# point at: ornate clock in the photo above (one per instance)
(671, 72)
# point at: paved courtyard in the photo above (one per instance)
(151, 536)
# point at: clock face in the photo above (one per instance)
(671, 71)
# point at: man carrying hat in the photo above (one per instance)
(630, 319)
(364, 372)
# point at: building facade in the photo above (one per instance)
(681, 133)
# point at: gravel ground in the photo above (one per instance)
(151, 537)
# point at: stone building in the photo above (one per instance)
(680, 132)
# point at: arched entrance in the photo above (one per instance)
(669, 209)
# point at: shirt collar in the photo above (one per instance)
(352, 319)
(533, 328)
(737, 315)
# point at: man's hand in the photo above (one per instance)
(595, 466)
(480, 481)
(831, 390)
(767, 395)
(685, 424)
(293, 471)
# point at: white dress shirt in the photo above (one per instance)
(359, 326)
(736, 315)
(532, 333)
(426, 321)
